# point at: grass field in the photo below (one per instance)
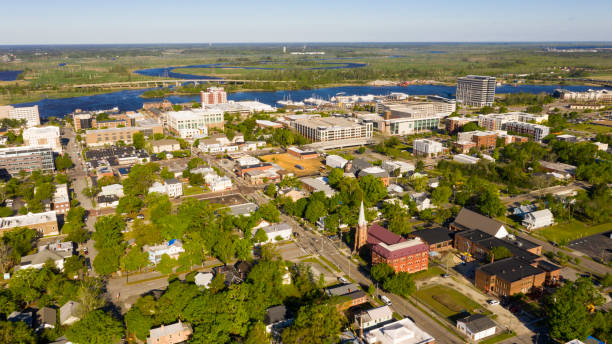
(572, 231)
(498, 338)
(593, 128)
(288, 162)
(427, 274)
(448, 302)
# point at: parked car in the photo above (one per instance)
(140, 216)
(385, 299)
(343, 280)
(446, 275)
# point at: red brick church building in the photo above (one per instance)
(389, 248)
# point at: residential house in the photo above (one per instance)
(70, 313)
(523, 210)
(422, 201)
(46, 317)
(318, 184)
(112, 189)
(61, 200)
(538, 219)
(476, 326)
(348, 295)
(230, 273)
(203, 279)
(277, 318)
(170, 334)
(245, 209)
(277, 232)
(56, 252)
(376, 172)
(107, 201)
(374, 317)
(25, 317)
(167, 145)
(220, 184)
(172, 248)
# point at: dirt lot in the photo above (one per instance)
(288, 162)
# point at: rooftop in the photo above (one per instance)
(477, 322)
(399, 332)
(511, 269)
(472, 220)
(402, 249)
(168, 330)
(27, 220)
(433, 235)
(378, 234)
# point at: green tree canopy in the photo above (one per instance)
(96, 327)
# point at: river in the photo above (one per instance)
(9, 75)
(131, 100)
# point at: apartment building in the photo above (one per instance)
(167, 145)
(43, 137)
(194, 123)
(45, 223)
(476, 90)
(326, 129)
(15, 159)
(427, 147)
(29, 114)
(590, 96)
(454, 124)
(213, 95)
(497, 121)
(535, 131)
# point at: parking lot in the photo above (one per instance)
(596, 246)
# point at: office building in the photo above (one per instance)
(482, 139)
(194, 123)
(28, 114)
(44, 223)
(327, 129)
(440, 106)
(213, 95)
(28, 159)
(111, 136)
(476, 90)
(427, 147)
(400, 120)
(84, 121)
(43, 137)
(454, 124)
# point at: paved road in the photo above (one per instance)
(317, 244)
(542, 192)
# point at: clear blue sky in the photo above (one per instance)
(203, 21)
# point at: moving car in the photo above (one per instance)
(385, 299)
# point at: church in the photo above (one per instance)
(389, 248)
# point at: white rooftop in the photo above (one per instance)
(27, 220)
(400, 332)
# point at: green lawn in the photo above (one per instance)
(593, 128)
(448, 302)
(572, 231)
(427, 274)
(192, 190)
(498, 338)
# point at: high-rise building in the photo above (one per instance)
(213, 95)
(476, 90)
(29, 114)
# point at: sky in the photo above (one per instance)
(204, 21)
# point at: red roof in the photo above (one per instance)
(402, 252)
(378, 233)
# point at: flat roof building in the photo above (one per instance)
(45, 223)
(43, 137)
(332, 129)
(399, 332)
(194, 123)
(15, 159)
(476, 90)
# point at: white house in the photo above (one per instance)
(335, 161)
(422, 201)
(173, 248)
(375, 316)
(538, 219)
(203, 279)
(157, 187)
(276, 232)
(476, 326)
(112, 189)
(174, 188)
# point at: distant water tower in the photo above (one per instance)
(284, 49)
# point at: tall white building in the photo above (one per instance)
(43, 137)
(29, 114)
(332, 129)
(194, 123)
(476, 90)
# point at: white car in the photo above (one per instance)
(385, 299)
(493, 302)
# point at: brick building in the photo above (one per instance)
(438, 239)
(45, 223)
(213, 95)
(302, 154)
(401, 254)
(508, 277)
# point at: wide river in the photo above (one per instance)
(130, 100)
